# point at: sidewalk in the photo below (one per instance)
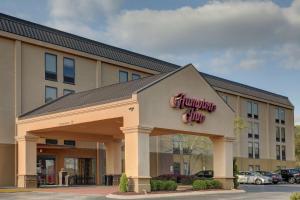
(175, 194)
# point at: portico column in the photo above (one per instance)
(137, 158)
(113, 157)
(223, 160)
(27, 157)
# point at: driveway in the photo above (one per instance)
(263, 192)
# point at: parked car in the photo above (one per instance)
(276, 178)
(253, 178)
(205, 174)
(290, 175)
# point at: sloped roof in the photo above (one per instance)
(42, 33)
(221, 83)
(53, 36)
(98, 96)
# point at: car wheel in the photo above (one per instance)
(292, 180)
(258, 182)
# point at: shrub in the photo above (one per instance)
(216, 184)
(123, 186)
(158, 185)
(235, 173)
(170, 185)
(295, 196)
(199, 185)
(206, 184)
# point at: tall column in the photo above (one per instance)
(27, 157)
(98, 179)
(223, 160)
(137, 158)
(113, 157)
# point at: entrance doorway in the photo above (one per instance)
(46, 170)
(82, 171)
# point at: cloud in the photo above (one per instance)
(218, 25)
(82, 17)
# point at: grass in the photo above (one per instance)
(14, 190)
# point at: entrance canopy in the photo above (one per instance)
(177, 102)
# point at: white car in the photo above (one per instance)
(254, 178)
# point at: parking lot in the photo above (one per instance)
(265, 192)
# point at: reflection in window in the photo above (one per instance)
(50, 94)
(135, 76)
(69, 70)
(123, 76)
(50, 67)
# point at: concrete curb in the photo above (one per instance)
(179, 194)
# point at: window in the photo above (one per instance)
(135, 76)
(123, 76)
(51, 141)
(256, 150)
(69, 142)
(277, 134)
(50, 67)
(71, 165)
(283, 152)
(255, 130)
(252, 110)
(255, 110)
(50, 94)
(67, 91)
(250, 149)
(176, 168)
(249, 109)
(186, 170)
(250, 133)
(280, 115)
(282, 134)
(225, 98)
(176, 144)
(278, 152)
(69, 70)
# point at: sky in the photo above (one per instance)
(252, 42)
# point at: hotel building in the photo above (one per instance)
(52, 82)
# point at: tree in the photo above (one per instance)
(297, 144)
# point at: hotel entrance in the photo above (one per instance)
(165, 104)
(46, 170)
(82, 171)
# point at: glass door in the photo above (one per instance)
(46, 170)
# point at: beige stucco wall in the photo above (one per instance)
(110, 73)
(161, 115)
(7, 91)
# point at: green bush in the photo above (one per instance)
(235, 173)
(216, 184)
(206, 184)
(199, 185)
(295, 196)
(123, 186)
(158, 185)
(170, 185)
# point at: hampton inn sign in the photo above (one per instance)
(193, 106)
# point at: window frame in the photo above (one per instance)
(69, 90)
(74, 66)
(50, 87)
(125, 72)
(278, 152)
(137, 75)
(45, 65)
